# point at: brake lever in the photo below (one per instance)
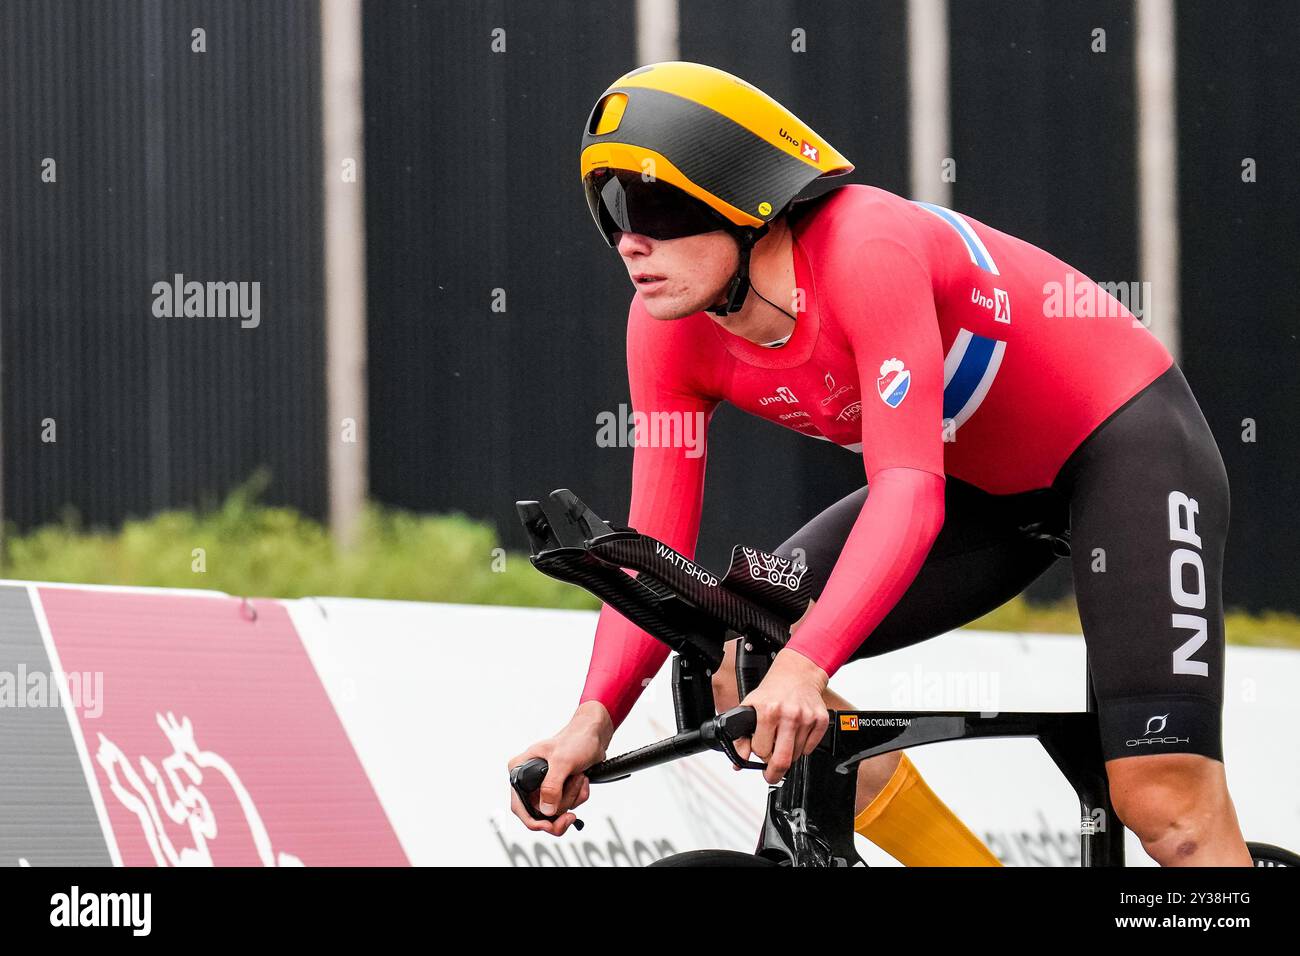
(736, 724)
(526, 779)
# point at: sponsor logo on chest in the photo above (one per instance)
(783, 395)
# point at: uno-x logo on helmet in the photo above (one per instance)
(806, 149)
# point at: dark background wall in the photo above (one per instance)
(1237, 98)
(1044, 135)
(470, 187)
(169, 161)
(209, 165)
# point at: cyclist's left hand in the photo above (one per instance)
(791, 713)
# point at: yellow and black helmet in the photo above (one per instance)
(711, 135)
(676, 149)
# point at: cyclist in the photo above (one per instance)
(1002, 404)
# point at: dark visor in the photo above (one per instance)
(622, 201)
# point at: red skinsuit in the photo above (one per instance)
(929, 343)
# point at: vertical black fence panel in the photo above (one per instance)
(1044, 138)
(497, 313)
(1238, 78)
(170, 159)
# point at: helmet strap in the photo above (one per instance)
(738, 288)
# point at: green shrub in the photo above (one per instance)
(1273, 629)
(258, 550)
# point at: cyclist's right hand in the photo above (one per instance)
(580, 744)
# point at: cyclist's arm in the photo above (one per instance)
(667, 500)
(902, 454)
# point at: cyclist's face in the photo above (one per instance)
(678, 277)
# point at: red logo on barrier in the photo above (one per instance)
(215, 742)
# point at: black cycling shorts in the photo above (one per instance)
(1143, 505)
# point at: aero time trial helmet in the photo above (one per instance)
(677, 149)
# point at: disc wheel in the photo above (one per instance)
(714, 858)
(1265, 854)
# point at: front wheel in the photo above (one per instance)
(1265, 854)
(714, 858)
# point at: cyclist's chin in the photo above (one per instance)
(667, 305)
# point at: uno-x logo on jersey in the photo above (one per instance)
(1000, 304)
(783, 394)
(1155, 725)
(894, 382)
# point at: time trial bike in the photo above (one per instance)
(809, 817)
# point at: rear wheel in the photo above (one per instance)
(714, 858)
(1265, 854)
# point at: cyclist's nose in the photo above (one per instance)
(631, 243)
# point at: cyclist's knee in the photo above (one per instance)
(1174, 803)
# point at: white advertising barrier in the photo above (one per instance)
(437, 698)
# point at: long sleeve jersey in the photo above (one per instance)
(929, 344)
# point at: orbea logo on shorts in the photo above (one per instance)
(1155, 727)
(893, 383)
